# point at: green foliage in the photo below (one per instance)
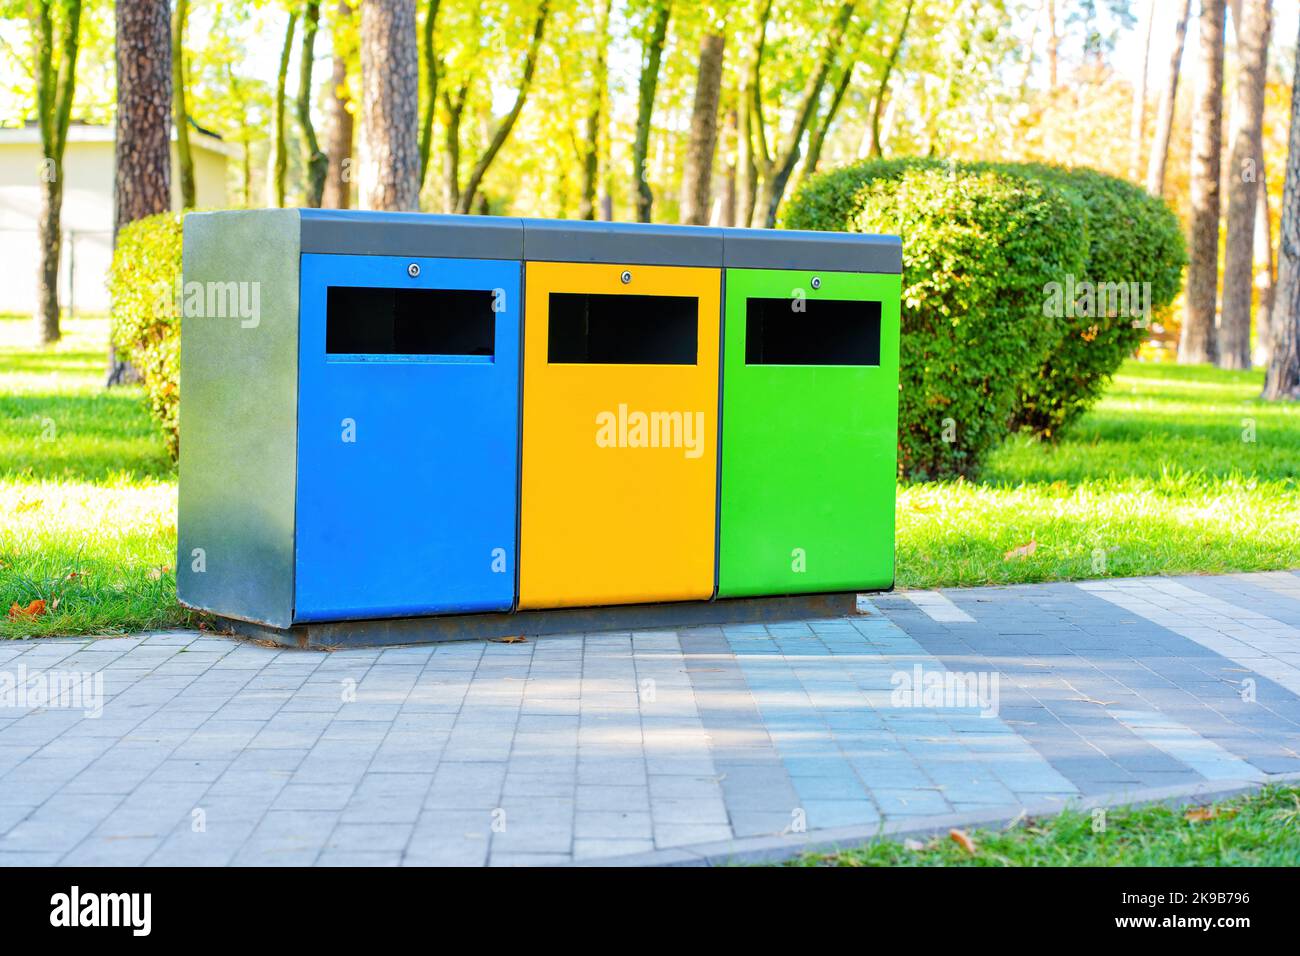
(146, 324)
(979, 246)
(1134, 244)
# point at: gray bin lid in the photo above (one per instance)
(364, 233)
(551, 240)
(807, 249)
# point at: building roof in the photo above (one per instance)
(104, 133)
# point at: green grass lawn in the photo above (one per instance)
(1157, 479)
(87, 491)
(1175, 470)
(1260, 829)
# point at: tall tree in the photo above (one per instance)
(1159, 157)
(339, 123)
(390, 103)
(746, 160)
(776, 165)
(1197, 342)
(652, 51)
(502, 132)
(142, 148)
(280, 146)
(698, 176)
(1254, 26)
(1053, 47)
(1264, 277)
(1282, 380)
(882, 88)
(57, 40)
(315, 162)
(180, 108)
(430, 105)
(1138, 117)
(589, 157)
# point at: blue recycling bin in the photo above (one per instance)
(407, 436)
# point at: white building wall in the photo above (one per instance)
(87, 216)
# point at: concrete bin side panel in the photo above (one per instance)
(238, 413)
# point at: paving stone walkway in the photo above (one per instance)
(210, 751)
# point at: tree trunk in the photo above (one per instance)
(591, 147)
(55, 86)
(882, 88)
(338, 173)
(1053, 47)
(181, 113)
(817, 135)
(142, 151)
(727, 206)
(280, 162)
(1137, 120)
(746, 168)
(776, 169)
(390, 105)
(698, 176)
(51, 248)
(498, 139)
(142, 171)
(455, 109)
(1264, 277)
(315, 163)
(430, 106)
(1254, 26)
(1159, 157)
(1198, 340)
(1283, 377)
(651, 55)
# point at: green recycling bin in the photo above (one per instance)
(809, 423)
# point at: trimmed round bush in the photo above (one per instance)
(146, 325)
(1132, 273)
(979, 247)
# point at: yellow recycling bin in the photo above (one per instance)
(620, 427)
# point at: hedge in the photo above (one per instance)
(1136, 254)
(979, 247)
(1131, 238)
(146, 325)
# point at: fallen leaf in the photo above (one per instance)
(1024, 551)
(916, 846)
(29, 613)
(1201, 814)
(513, 639)
(962, 840)
(73, 575)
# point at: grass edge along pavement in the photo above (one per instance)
(1256, 828)
(1177, 470)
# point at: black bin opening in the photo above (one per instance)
(812, 332)
(600, 329)
(364, 321)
